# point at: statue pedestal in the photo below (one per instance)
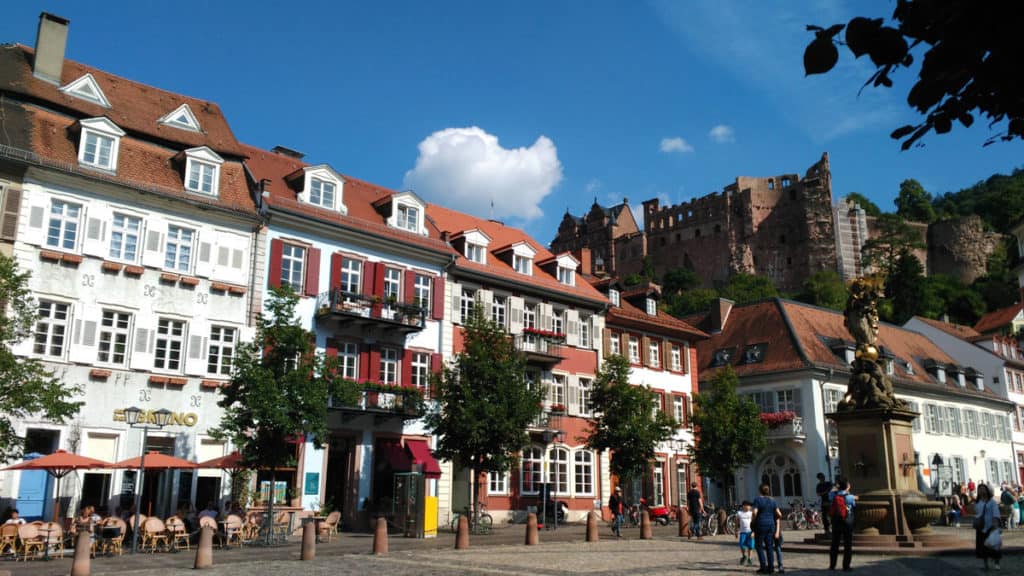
(876, 451)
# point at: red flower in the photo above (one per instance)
(776, 419)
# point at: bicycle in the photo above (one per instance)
(732, 522)
(480, 522)
(709, 524)
(803, 517)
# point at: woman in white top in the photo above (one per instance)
(986, 514)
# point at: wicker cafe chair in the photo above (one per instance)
(209, 521)
(282, 521)
(9, 539)
(330, 525)
(177, 532)
(251, 529)
(233, 530)
(53, 537)
(153, 532)
(31, 539)
(114, 544)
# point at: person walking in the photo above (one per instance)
(615, 505)
(823, 489)
(841, 510)
(745, 533)
(695, 502)
(986, 519)
(766, 529)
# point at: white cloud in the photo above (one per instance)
(722, 134)
(593, 186)
(467, 169)
(677, 144)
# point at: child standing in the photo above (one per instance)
(746, 536)
(778, 552)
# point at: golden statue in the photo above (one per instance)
(869, 387)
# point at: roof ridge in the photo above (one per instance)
(792, 333)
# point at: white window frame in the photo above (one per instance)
(499, 310)
(115, 330)
(64, 224)
(788, 399)
(476, 253)
(583, 472)
(351, 275)
(558, 470)
(389, 366)
(125, 234)
(651, 307)
(911, 405)
(678, 409)
(677, 358)
(392, 284)
(195, 160)
(658, 480)
(467, 300)
(952, 421)
(52, 322)
(348, 360)
(586, 396)
(322, 193)
(613, 296)
(566, 276)
(654, 353)
(325, 174)
(171, 336)
(972, 423)
(293, 266)
(421, 292)
(615, 343)
(99, 129)
(556, 392)
(182, 239)
(419, 366)
(522, 264)
(935, 419)
(408, 217)
(497, 483)
(585, 341)
(220, 354)
(558, 321)
(531, 470)
(634, 349)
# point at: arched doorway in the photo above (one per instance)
(783, 474)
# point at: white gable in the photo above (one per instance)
(102, 124)
(567, 261)
(205, 154)
(181, 117)
(86, 88)
(523, 249)
(477, 237)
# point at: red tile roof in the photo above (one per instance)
(998, 319)
(358, 196)
(453, 222)
(628, 315)
(955, 330)
(135, 107)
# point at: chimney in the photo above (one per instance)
(51, 39)
(285, 151)
(720, 309)
(583, 255)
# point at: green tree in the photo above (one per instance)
(627, 423)
(484, 402)
(690, 302)
(869, 207)
(826, 289)
(914, 203)
(679, 280)
(730, 429)
(999, 288)
(27, 387)
(970, 62)
(279, 389)
(894, 237)
(998, 201)
(944, 295)
(906, 290)
(745, 288)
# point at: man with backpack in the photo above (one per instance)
(841, 511)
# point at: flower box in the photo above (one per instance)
(777, 419)
(548, 334)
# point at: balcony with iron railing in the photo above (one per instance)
(361, 309)
(539, 349)
(793, 429)
(381, 399)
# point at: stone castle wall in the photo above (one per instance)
(961, 248)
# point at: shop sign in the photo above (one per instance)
(177, 418)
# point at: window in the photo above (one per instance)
(615, 343)
(201, 177)
(531, 476)
(557, 322)
(530, 316)
(522, 264)
(567, 276)
(475, 252)
(613, 296)
(388, 366)
(499, 309)
(556, 394)
(651, 306)
(466, 303)
(654, 353)
(959, 466)
(170, 343)
(421, 289)
(62, 231)
(221, 352)
(321, 193)
(292, 259)
(634, 350)
(677, 358)
(679, 410)
(586, 391)
(659, 484)
(51, 327)
(178, 253)
(124, 237)
(497, 482)
(788, 400)
(971, 423)
(934, 418)
(392, 285)
(98, 150)
(409, 217)
(913, 407)
(348, 360)
(952, 423)
(420, 370)
(583, 476)
(585, 341)
(351, 270)
(558, 471)
(114, 330)
(988, 426)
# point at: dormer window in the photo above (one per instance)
(404, 210)
(566, 276)
(522, 264)
(651, 306)
(409, 217)
(473, 244)
(202, 171)
(88, 89)
(562, 266)
(99, 143)
(183, 118)
(476, 252)
(321, 193)
(613, 296)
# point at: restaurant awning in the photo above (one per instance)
(421, 455)
(397, 457)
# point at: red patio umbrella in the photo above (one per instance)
(156, 461)
(231, 462)
(60, 464)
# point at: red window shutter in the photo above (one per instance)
(686, 411)
(437, 306)
(332, 349)
(311, 286)
(274, 270)
(364, 363)
(435, 363)
(408, 286)
(405, 361)
(378, 279)
(374, 366)
(369, 269)
(335, 271)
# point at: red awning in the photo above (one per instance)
(397, 457)
(421, 455)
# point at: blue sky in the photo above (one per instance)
(538, 106)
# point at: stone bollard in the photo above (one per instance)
(592, 527)
(309, 541)
(462, 533)
(83, 545)
(380, 537)
(204, 550)
(531, 530)
(684, 522)
(722, 518)
(645, 525)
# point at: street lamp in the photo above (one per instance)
(160, 418)
(548, 436)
